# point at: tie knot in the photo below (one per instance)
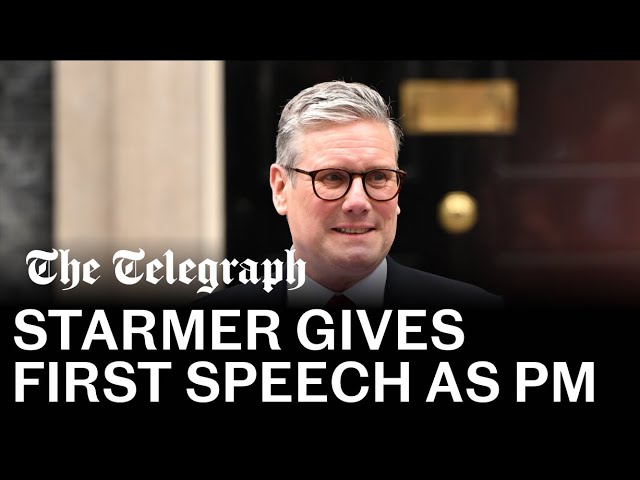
(340, 302)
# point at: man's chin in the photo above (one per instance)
(355, 264)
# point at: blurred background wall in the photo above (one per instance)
(26, 208)
(97, 156)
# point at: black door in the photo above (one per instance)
(556, 197)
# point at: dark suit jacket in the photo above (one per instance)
(405, 288)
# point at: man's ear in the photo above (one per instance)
(279, 182)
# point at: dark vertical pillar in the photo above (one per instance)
(25, 173)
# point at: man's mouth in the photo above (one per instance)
(353, 230)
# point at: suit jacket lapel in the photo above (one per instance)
(393, 285)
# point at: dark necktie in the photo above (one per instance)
(340, 302)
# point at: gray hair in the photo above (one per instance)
(325, 103)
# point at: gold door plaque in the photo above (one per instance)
(476, 106)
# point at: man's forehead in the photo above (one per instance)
(334, 142)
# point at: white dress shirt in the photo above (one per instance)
(367, 293)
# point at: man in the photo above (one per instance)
(337, 181)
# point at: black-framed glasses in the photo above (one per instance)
(382, 184)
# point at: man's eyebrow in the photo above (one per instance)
(379, 167)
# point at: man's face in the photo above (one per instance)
(344, 240)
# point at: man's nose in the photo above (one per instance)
(356, 200)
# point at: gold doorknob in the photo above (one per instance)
(457, 212)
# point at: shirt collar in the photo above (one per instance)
(367, 293)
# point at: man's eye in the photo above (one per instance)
(333, 177)
(378, 177)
